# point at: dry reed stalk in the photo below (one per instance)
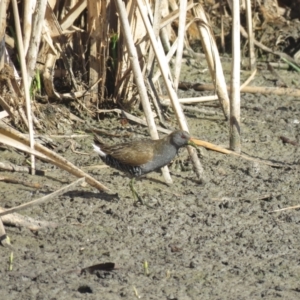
(7, 108)
(108, 25)
(138, 33)
(150, 63)
(3, 8)
(168, 58)
(235, 124)
(35, 38)
(213, 58)
(166, 101)
(252, 60)
(174, 14)
(254, 90)
(161, 59)
(165, 32)
(28, 10)
(94, 31)
(48, 76)
(26, 80)
(181, 33)
(73, 14)
(133, 56)
(52, 29)
(217, 148)
(13, 138)
(170, 54)
(156, 28)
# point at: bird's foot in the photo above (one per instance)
(138, 199)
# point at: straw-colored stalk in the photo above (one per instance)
(13, 138)
(150, 62)
(36, 33)
(213, 58)
(94, 31)
(235, 129)
(254, 90)
(181, 33)
(28, 10)
(252, 60)
(25, 81)
(3, 8)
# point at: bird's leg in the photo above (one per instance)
(136, 196)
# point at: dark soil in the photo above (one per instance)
(218, 240)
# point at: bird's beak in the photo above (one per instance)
(191, 143)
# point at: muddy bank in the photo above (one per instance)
(218, 240)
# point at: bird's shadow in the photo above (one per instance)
(109, 197)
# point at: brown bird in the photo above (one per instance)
(140, 157)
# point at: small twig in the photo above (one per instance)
(43, 199)
(75, 95)
(72, 136)
(167, 102)
(248, 80)
(21, 169)
(17, 181)
(285, 208)
(19, 221)
(200, 110)
(75, 151)
(136, 293)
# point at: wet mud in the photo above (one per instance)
(220, 240)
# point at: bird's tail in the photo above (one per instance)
(98, 150)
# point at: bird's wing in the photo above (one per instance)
(131, 154)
